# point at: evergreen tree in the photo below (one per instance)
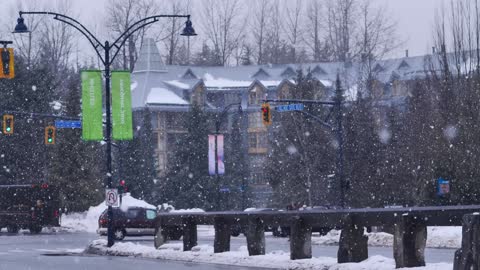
(136, 159)
(187, 183)
(76, 167)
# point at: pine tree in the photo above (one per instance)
(76, 167)
(136, 159)
(187, 183)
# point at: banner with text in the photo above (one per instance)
(211, 154)
(121, 106)
(92, 120)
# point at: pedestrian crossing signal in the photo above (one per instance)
(266, 114)
(8, 124)
(6, 64)
(50, 135)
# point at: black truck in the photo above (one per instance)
(32, 207)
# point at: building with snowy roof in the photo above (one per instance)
(168, 91)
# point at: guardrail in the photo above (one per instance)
(409, 226)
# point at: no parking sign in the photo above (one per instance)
(111, 197)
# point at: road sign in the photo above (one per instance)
(224, 189)
(289, 107)
(111, 197)
(68, 124)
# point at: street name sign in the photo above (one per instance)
(289, 107)
(68, 124)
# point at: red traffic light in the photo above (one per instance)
(122, 183)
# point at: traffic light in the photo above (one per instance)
(8, 124)
(50, 135)
(6, 64)
(266, 114)
(123, 186)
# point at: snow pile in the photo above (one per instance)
(437, 237)
(88, 220)
(272, 260)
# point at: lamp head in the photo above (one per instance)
(20, 27)
(188, 30)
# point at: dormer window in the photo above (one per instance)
(319, 71)
(288, 73)
(255, 95)
(403, 65)
(261, 74)
(378, 68)
(189, 75)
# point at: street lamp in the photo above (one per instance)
(107, 61)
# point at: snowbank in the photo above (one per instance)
(273, 260)
(88, 220)
(437, 237)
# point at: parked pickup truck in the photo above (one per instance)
(31, 206)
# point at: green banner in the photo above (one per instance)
(92, 126)
(121, 106)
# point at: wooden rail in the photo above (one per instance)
(409, 226)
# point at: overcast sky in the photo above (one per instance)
(415, 19)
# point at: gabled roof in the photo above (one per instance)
(403, 65)
(318, 70)
(261, 74)
(378, 68)
(288, 73)
(189, 75)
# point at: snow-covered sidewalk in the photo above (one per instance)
(273, 260)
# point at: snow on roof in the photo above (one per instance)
(164, 96)
(178, 84)
(326, 83)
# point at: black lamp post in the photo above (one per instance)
(107, 61)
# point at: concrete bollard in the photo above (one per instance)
(300, 239)
(256, 237)
(189, 233)
(222, 235)
(409, 240)
(353, 245)
(467, 257)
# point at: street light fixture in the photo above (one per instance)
(107, 60)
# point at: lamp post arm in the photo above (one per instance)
(137, 26)
(222, 115)
(74, 23)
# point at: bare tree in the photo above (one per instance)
(174, 26)
(314, 16)
(341, 24)
(293, 28)
(259, 22)
(223, 26)
(121, 15)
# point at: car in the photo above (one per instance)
(133, 221)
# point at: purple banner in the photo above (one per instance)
(211, 154)
(221, 165)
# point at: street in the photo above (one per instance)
(61, 250)
(26, 251)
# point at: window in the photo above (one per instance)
(133, 213)
(151, 214)
(255, 95)
(257, 142)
